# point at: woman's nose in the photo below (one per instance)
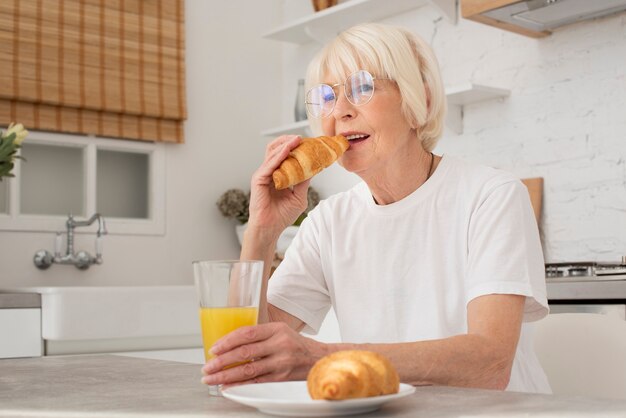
(343, 108)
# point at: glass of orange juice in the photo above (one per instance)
(229, 293)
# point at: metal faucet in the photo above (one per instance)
(82, 259)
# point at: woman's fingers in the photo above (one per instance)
(241, 354)
(276, 156)
(247, 371)
(243, 335)
(301, 189)
(272, 350)
(286, 145)
(260, 371)
(271, 368)
(278, 142)
(258, 379)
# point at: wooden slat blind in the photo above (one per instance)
(104, 67)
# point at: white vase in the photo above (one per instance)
(283, 241)
(239, 230)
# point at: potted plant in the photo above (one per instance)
(10, 142)
(235, 203)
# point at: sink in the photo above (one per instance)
(117, 318)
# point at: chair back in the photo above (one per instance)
(583, 354)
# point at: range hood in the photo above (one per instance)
(544, 15)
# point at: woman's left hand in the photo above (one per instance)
(269, 352)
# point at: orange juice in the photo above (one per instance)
(217, 322)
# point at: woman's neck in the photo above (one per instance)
(402, 177)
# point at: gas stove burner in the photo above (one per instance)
(586, 270)
(580, 271)
(553, 272)
(604, 269)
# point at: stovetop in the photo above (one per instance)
(586, 271)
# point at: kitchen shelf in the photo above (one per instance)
(468, 93)
(295, 128)
(326, 24)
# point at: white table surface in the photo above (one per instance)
(118, 386)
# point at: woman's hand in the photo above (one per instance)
(270, 208)
(271, 352)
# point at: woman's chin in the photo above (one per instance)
(351, 165)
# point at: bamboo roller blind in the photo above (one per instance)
(105, 67)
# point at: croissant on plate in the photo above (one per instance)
(352, 374)
(309, 158)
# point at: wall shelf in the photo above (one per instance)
(468, 93)
(326, 24)
(295, 128)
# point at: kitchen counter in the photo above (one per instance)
(594, 289)
(115, 386)
(11, 300)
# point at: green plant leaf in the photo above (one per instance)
(5, 169)
(8, 150)
(301, 218)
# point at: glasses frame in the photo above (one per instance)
(333, 86)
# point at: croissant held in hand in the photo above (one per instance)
(309, 158)
(352, 374)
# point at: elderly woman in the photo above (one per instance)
(431, 261)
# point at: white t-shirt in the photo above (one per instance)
(406, 271)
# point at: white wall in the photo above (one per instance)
(233, 92)
(565, 119)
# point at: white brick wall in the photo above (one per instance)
(565, 119)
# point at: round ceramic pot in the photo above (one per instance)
(283, 241)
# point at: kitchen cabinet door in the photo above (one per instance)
(475, 9)
(20, 333)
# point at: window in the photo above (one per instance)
(122, 184)
(64, 174)
(52, 180)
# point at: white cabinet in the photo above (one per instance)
(20, 332)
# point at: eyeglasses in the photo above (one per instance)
(359, 88)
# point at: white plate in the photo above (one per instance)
(292, 399)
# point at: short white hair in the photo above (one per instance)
(388, 52)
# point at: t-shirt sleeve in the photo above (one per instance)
(298, 286)
(504, 249)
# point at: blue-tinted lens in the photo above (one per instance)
(360, 87)
(320, 100)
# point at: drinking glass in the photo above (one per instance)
(229, 294)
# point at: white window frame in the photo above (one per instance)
(154, 225)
